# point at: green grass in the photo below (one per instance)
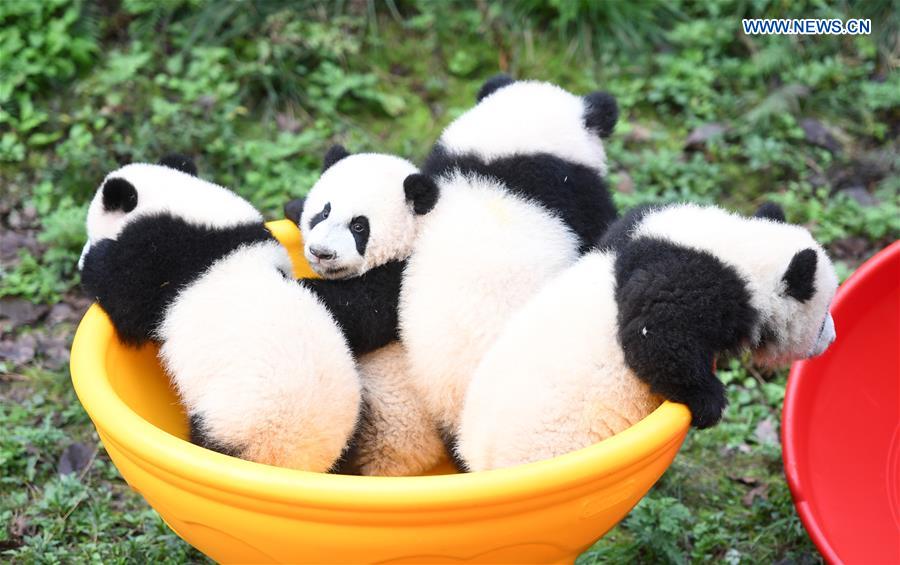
(258, 91)
(87, 516)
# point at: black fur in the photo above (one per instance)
(179, 162)
(421, 191)
(199, 436)
(770, 211)
(293, 209)
(119, 194)
(576, 193)
(325, 254)
(678, 308)
(450, 444)
(620, 231)
(365, 307)
(334, 154)
(347, 463)
(767, 336)
(320, 216)
(492, 85)
(137, 275)
(359, 229)
(601, 113)
(800, 276)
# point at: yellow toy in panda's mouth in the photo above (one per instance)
(237, 511)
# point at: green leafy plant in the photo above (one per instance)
(257, 90)
(42, 44)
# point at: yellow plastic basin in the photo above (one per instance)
(238, 511)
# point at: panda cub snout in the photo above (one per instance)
(826, 337)
(335, 247)
(322, 253)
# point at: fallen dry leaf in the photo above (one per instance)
(761, 491)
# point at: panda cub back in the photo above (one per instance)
(642, 319)
(261, 367)
(529, 117)
(543, 143)
(522, 195)
(158, 225)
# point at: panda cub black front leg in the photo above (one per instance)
(666, 358)
(707, 405)
(678, 308)
(117, 296)
(365, 307)
(94, 269)
(706, 400)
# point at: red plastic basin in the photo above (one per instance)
(841, 423)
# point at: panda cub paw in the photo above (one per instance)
(706, 406)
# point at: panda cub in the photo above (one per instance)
(259, 362)
(640, 320)
(521, 177)
(359, 222)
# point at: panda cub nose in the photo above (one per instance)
(322, 253)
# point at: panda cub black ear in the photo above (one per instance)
(601, 113)
(800, 276)
(492, 85)
(294, 209)
(421, 191)
(119, 195)
(770, 211)
(179, 162)
(334, 154)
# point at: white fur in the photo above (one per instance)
(527, 117)
(262, 361)
(556, 379)
(364, 184)
(481, 253)
(197, 201)
(256, 356)
(398, 436)
(760, 250)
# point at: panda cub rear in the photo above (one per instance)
(640, 320)
(523, 195)
(263, 370)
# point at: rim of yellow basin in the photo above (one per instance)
(129, 431)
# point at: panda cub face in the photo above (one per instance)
(361, 213)
(800, 324)
(790, 279)
(169, 187)
(795, 319)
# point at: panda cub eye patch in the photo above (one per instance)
(320, 216)
(359, 228)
